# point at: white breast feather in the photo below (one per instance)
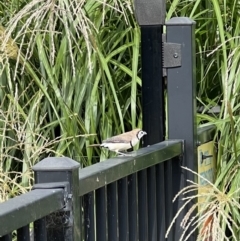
(116, 146)
(134, 141)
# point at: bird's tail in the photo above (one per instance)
(93, 145)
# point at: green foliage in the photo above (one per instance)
(216, 210)
(69, 71)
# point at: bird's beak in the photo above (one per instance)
(145, 133)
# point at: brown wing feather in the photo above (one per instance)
(123, 138)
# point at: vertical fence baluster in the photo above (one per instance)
(142, 205)
(7, 237)
(123, 209)
(40, 231)
(132, 207)
(112, 211)
(81, 221)
(169, 196)
(151, 191)
(23, 233)
(89, 223)
(160, 196)
(101, 221)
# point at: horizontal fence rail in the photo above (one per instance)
(205, 134)
(29, 207)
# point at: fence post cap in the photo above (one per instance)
(56, 164)
(180, 21)
(150, 12)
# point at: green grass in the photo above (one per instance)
(69, 77)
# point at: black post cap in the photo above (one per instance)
(150, 12)
(56, 164)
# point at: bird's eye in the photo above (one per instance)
(141, 134)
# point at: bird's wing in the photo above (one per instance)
(123, 138)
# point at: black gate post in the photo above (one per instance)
(150, 15)
(59, 172)
(182, 108)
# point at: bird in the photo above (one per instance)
(122, 142)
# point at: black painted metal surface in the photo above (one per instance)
(101, 214)
(161, 192)
(133, 207)
(89, 225)
(23, 233)
(142, 205)
(24, 209)
(205, 134)
(130, 194)
(152, 206)
(151, 17)
(40, 230)
(123, 209)
(150, 12)
(112, 211)
(62, 169)
(7, 237)
(182, 108)
(152, 84)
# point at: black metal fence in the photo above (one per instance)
(125, 198)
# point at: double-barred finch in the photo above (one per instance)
(123, 141)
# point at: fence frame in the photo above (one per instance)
(54, 194)
(61, 185)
